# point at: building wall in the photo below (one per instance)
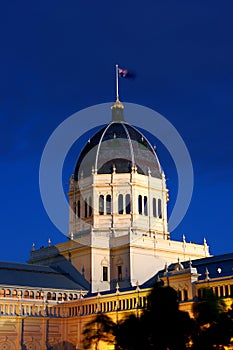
(58, 325)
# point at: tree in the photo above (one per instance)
(129, 334)
(162, 326)
(208, 308)
(167, 326)
(101, 328)
(214, 325)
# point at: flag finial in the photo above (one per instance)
(117, 107)
(117, 83)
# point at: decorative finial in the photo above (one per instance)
(117, 288)
(33, 247)
(184, 239)
(190, 263)
(137, 287)
(114, 169)
(207, 274)
(163, 177)
(117, 107)
(49, 242)
(71, 236)
(205, 241)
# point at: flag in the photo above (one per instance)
(124, 73)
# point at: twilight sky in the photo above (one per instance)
(58, 57)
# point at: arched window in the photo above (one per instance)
(127, 204)
(49, 296)
(120, 204)
(119, 272)
(140, 204)
(38, 295)
(8, 293)
(85, 208)
(79, 209)
(108, 204)
(185, 295)
(145, 206)
(75, 208)
(160, 208)
(90, 206)
(105, 273)
(154, 208)
(31, 295)
(101, 205)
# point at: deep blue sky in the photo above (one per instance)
(58, 57)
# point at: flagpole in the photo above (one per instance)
(117, 83)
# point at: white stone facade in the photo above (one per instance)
(120, 222)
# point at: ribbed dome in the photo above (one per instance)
(117, 147)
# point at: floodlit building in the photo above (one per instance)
(119, 244)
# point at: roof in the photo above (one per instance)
(35, 276)
(218, 266)
(118, 146)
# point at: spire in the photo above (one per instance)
(117, 108)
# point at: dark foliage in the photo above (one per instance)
(162, 326)
(101, 328)
(129, 334)
(214, 326)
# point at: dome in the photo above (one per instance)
(117, 147)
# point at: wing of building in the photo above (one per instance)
(119, 244)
